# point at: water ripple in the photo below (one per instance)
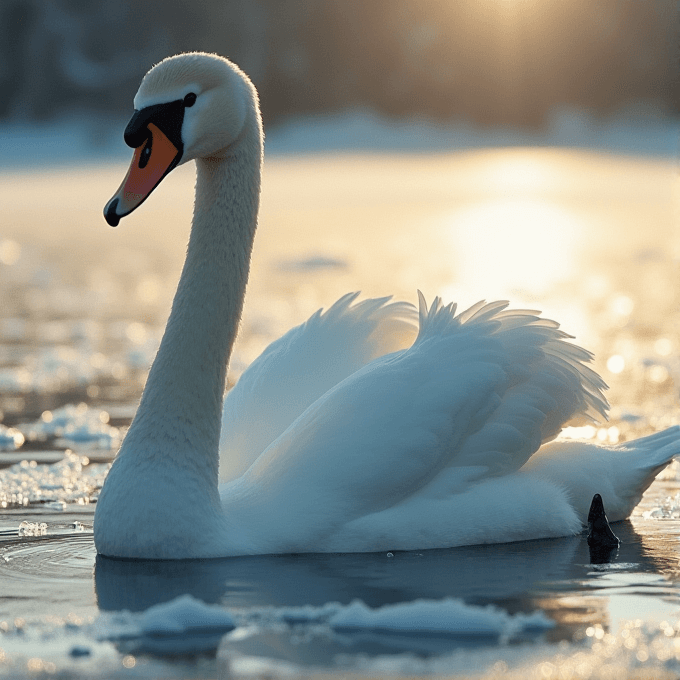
(51, 575)
(64, 557)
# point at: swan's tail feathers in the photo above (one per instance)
(656, 451)
(636, 465)
(620, 474)
(659, 441)
(549, 384)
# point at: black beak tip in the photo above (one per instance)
(110, 214)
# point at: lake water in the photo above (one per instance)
(591, 239)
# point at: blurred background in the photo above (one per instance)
(490, 62)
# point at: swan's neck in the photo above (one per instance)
(179, 415)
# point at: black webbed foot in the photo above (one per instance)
(601, 539)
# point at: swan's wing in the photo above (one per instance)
(472, 398)
(295, 370)
(549, 387)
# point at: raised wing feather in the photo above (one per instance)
(295, 370)
(549, 387)
(374, 439)
(477, 392)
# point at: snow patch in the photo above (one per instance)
(94, 138)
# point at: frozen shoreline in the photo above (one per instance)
(96, 139)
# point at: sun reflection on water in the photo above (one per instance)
(517, 170)
(513, 247)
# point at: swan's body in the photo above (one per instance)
(346, 434)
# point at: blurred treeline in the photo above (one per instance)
(489, 61)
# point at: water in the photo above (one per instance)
(588, 238)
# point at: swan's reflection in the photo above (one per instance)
(478, 574)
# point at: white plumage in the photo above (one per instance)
(369, 427)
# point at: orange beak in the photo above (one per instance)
(151, 162)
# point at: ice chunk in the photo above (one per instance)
(10, 438)
(70, 480)
(441, 617)
(670, 509)
(74, 425)
(32, 529)
(185, 614)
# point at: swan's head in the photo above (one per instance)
(189, 106)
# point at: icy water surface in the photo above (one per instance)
(589, 239)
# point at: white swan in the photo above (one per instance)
(345, 435)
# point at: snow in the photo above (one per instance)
(631, 131)
(73, 138)
(90, 138)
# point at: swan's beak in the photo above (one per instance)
(154, 157)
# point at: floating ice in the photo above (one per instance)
(10, 438)
(188, 625)
(185, 614)
(32, 529)
(80, 650)
(181, 616)
(313, 263)
(449, 617)
(101, 436)
(183, 625)
(669, 509)
(55, 505)
(637, 650)
(52, 369)
(71, 480)
(442, 617)
(74, 424)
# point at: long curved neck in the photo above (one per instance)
(179, 414)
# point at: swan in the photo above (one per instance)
(372, 426)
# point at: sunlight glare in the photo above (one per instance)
(616, 363)
(509, 247)
(517, 171)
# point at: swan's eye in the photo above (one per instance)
(190, 99)
(145, 155)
